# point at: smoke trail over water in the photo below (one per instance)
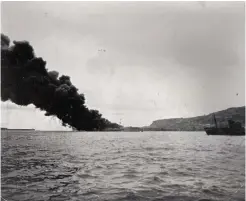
(25, 80)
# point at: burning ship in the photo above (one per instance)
(234, 128)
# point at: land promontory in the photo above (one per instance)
(198, 123)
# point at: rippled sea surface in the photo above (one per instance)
(149, 166)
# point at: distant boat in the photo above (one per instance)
(234, 128)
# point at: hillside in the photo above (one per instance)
(198, 123)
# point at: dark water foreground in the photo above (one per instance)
(175, 166)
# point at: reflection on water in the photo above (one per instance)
(122, 166)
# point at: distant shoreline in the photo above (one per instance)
(175, 124)
(17, 129)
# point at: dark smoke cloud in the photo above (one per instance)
(25, 80)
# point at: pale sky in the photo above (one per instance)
(162, 59)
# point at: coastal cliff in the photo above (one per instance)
(198, 123)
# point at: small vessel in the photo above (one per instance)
(234, 128)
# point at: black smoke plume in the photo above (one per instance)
(25, 80)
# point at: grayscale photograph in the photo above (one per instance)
(123, 101)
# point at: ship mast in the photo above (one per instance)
(215, 121)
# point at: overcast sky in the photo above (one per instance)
(162, 59)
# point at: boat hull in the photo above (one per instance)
(225, 131)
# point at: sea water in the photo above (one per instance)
(119, 166)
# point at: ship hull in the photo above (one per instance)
(225, 131)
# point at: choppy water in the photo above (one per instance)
(173, 166)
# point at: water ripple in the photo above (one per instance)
(157, 166)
